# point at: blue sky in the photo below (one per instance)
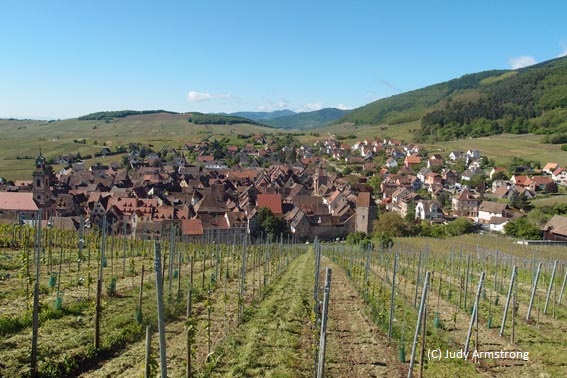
(62, 59)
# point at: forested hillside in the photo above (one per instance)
(532, 99)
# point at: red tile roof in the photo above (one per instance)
(363, 199)
(17, 201)
(271, 201)
(191, 227)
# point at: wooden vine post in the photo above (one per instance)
(475, 311)
(35, 316)
(550, 287)
(160, 308)
(98, 305)
(510, 289)
(323, 335)
(420, 316)
(392, 297)
(534, 288)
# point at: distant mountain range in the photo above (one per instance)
(261, 116)
(288, 119)
(528, 100)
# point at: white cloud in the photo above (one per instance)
(271, 105)
(194, 96)
(312, 106)
(521, 62)
(343, 107)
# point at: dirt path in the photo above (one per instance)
(355, 346)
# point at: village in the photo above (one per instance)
(327, 191)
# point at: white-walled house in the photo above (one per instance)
(428, 210)
(559, 176)
(489, 210)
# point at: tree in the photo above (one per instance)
(375, 183)
(357, 237)
(523, 228)
(459, 226)
(390, 223)
(519, 201)
(271, 225)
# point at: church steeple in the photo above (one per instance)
(41, 182)
(40, 161)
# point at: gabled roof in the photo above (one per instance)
(465, 195)
(542, 180)
(17, 201)
(557, 225)
(550, 167)
(492, 207)
(191, 227)
(413, 159)
(271, 201)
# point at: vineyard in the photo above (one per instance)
(90, 304)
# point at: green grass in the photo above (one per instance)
(268, 343)
(502, 148)
(25, 138)
(549, 201)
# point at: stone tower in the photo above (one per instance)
(41, 187)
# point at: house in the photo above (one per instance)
(468, 174)
(520, 181)
(556, 229)
(488, 210)
(502, 192)
(391, 163)
(423, 172)
(559, 176)
(401, 199)
(429, 211)
(455, 155)
(433, 178)
(464, 204)
(550, 167)
(498, 184)
(271, 201)
(472, 154)
(497, 224)
(435, 160)
(17, 207)
(298, 224)
(412, 161)
(544, 184)
(450, 177)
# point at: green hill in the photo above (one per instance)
(21, 140)
(261, 116)
(528, 100)
(110, 115)
(218, 119)
(307, 120)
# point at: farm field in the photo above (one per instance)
(234, 309)
(20, 141)
(504, 147)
